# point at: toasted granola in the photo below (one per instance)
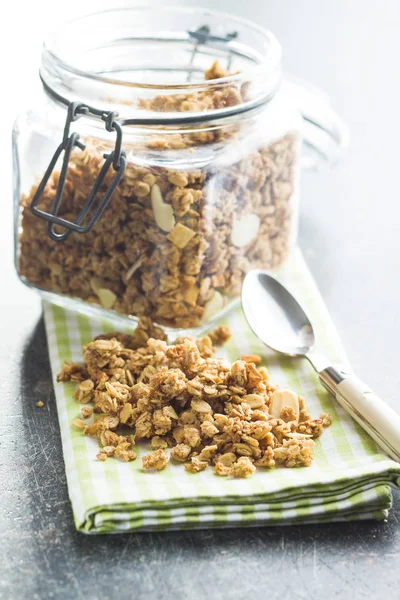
(189, 405)
(157, 460)
(172, 245)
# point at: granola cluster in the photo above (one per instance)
(192, 407)
(173, 245)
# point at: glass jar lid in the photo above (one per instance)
(119, 59)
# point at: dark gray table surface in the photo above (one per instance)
(349, 233)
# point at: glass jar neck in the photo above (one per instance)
(141, 62)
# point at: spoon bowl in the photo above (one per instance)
(275, 316)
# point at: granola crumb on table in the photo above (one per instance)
(188, 405)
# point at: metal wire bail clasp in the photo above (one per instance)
(116, 158)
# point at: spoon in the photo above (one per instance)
(278, 320)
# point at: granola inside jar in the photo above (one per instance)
(180, 171)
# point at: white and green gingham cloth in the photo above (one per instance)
(349, 479)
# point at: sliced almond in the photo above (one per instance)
(253, 400)
(190, 293)
(125, 413)
(281, 399)
(245, 230)
(163, 213)
(132, 269)
(213, 306)
(96, 283)
(107, 297)
(170, 411)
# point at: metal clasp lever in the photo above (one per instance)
(202, 36)
(117, 158)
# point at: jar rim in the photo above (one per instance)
(69, 54)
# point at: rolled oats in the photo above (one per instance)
(180, 396)
(86, 412)
(201, 406)
(196, 465)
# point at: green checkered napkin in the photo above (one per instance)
(349, 479)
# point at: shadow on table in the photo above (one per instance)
(46, 480)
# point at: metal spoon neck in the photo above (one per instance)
(318, 361)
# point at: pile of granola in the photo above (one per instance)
(173, 245)
(192, 407)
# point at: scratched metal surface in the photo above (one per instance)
(349, 234)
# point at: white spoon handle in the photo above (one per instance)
(373, 414)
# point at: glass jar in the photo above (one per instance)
(161, 163)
